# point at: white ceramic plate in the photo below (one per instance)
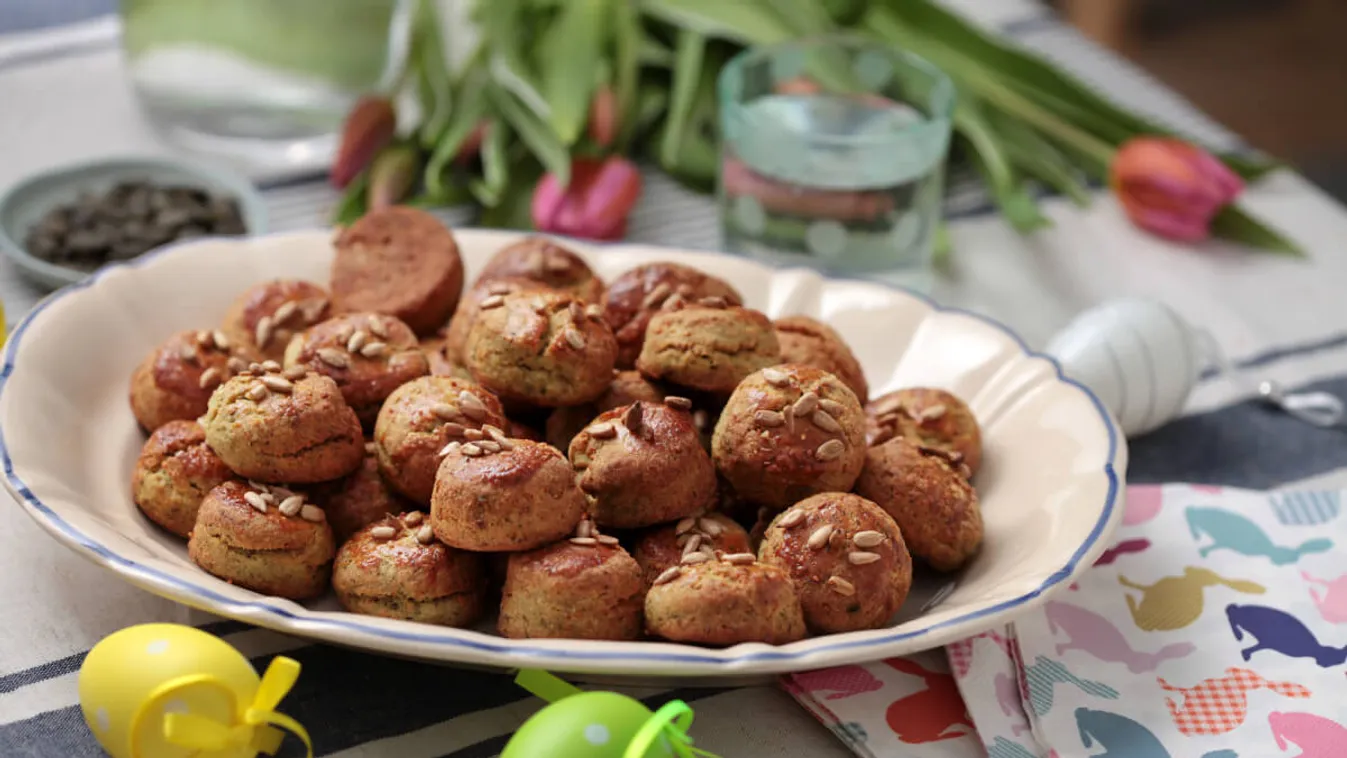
(1051, 481)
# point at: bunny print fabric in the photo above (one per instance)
(1215, 626)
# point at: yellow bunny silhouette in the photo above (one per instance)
(1176, 601)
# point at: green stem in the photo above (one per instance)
(1013, 103)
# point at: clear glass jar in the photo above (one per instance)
(833, 157)
(263, 83)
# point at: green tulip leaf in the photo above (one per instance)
(506, 28)
(470, 108)
(687, 73)
(571, 51)
(989, 156)
(495, 166)
(749, 22)
(435, 86)
(627, 61)
(1034, 155)
(351, 206)
(535, 133)
(1236, 225)
(514, 210)
(654, 53)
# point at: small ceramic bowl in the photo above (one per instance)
(24, 204)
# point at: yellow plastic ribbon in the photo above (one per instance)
(259, 730)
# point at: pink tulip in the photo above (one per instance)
(369, 127)
(595, 205)
(603, 116)
(1171, 188)
(392, 176)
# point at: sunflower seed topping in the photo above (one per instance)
(425, 534)
(694, 558)
(313, 309)
(574, 338)
(820, 537)
(283, 313)
(383, 532)
(714, 301)
(471, 406)
(470, 449)
(236, 365)
(792, 518)
(657, 295)
(585, 541)
(830, 450)
(374, 349)
(413, 518)
(492, 301)
(932, 413)
(674, 302)
(473, 435)
(262, 335)
(378, 327)
(678, 403)
(668, 575)
(204, 339)
(594, 312)
(634, 418)
(693, 544)
(295, 373)
(768, 419)
(841, 586)
(277, 383)
(371, 447)
(825, 422)
(499, 288)
(255, 500)
(788, 417)
(268, 498)
(220, 340)
(868, 538)
(577, 310)
(603, 430)
(257, 393)
(345, 332)
(775, 377)
(739, 559)
(496, 433)
(557, 264)
(270, 366)
(490, 446)
(580, 462)
(585, 528)
(358, 339)
(333, 357)
(209, 378)
(291, 505)
(312, 513)
(607, 539)
(445, 411)
(452, 447)
(685, 525)
(832, 407)
(861, 557)
(709, 527)
(806, 404)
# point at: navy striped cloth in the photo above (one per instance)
(358, 704)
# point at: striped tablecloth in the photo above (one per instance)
(64, 99)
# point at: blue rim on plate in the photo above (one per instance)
(66, 180)
(180, 588)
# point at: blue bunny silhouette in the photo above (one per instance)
(1277, 630)
(1124, 738)
(1232, 531)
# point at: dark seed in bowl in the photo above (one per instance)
(127, 220)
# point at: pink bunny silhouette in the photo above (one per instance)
(1008, 697)
(1332, 603)
(1143, 504)
(961, 652)
(1316, 736)
(1091, 633)
(839, 681)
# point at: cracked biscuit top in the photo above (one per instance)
(709, 346)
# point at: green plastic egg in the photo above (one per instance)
(586, 725)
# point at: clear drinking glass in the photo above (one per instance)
(833, 157)
(264, 83)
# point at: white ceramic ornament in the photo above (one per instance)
(1138, 356)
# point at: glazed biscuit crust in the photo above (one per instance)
(935, 506)
(244, 321)
(847, 558)
(640, 293)
(626, 388)
(353, 502)
(516, 499)
(541, 349)
(811, 342)
(400, 261)
(175, 470)
(661, 548)
(643, 464)
(709, 349)
(456, 333)
(548, 263)
(419, 419)
(789, 432)
(572, 591)
(927, 416)
(719, 603)
(307, 434)
(175, 381)
(386, 355)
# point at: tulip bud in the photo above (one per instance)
(595, 205)
(392, 176)
(603, 116)
(1171, 188)
(369, 128)
(472, 144)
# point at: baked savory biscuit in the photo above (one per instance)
(626, 388)
(847, 558)
(723, 602)
(456, 333)
(266, 539)
(400, 261)
(643, 464)
(261, 321)
(927, 492)
(542, 349)
(175, 381)
(288, 427)
(586, 587)
(503, 494)
(661, 548)
(420, 418)
(395, 568)
(548, 263)
(358, 499)
(643, 291)
(368, 355)
(175, 470)
(707, 347)
(930, 417)
(811, 342)
(789, 432)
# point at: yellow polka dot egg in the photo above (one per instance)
(173, 691)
